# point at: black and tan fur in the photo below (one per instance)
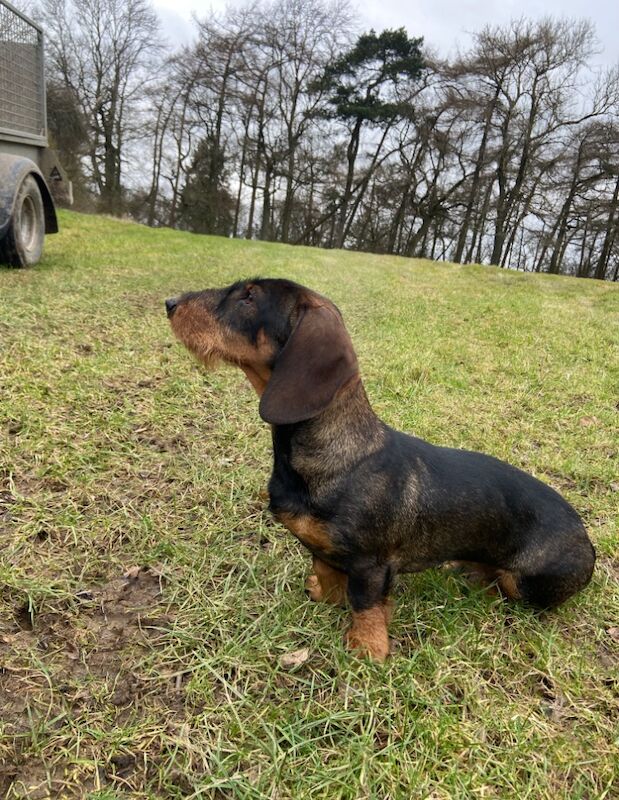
(368, 501)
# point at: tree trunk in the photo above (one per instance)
(476, 179)
(265, 226)
(351, 157)
(602, 263)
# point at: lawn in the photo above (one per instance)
(147, 597)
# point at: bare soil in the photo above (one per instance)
(86, 651)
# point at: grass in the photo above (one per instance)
(147, 596)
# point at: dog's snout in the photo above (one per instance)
(170, 305)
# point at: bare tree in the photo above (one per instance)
(276, 123)
(103, 52)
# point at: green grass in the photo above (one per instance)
(117, 452)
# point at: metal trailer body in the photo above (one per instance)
(27, 166)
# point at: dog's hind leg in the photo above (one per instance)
(550, 570)
(551, 587)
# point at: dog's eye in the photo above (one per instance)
(247, 299)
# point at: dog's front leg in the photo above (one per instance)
(371, 611)
(327, 584)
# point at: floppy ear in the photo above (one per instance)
(316, 361)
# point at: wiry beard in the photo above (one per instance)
(203, 345)
(210, 357)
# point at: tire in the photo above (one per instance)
(22, 245)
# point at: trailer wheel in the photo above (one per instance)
(22, 245)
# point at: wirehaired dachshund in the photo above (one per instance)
(366, 500)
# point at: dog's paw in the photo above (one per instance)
(377, 649)
(313, 589)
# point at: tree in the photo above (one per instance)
(303, 36)
(361, 87)
(103, 52)
(206, 206)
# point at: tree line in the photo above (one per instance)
(282, 122)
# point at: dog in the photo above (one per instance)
(368, 501)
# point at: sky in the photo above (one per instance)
(444, 24)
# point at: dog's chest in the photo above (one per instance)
(311, 532)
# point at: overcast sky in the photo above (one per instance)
(444, 24)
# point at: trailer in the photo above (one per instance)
(30, 175)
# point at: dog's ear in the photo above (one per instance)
(316, 361)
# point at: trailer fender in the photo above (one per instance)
(13, 171)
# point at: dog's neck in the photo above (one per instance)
(258, 376)
(325, 446)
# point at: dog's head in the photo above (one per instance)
(290, 342)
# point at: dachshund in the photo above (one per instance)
(368, 501)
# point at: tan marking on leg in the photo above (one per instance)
(368, 634)
(508, 584)
(313, 588)
(475, 571)
(388, 610)
(327, 584)
(313, 533)
(493, 579)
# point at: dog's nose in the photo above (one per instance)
(170, 305)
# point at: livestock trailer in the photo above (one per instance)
(29, 172)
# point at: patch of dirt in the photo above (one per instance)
(36, 782)
(112, 620)
(610, 564)
(553, 704)
(145, 435)
(84, 348)
(14, 427)
(6, 501)
(21, 487)
(61, 663)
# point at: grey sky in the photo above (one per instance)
(444, 24)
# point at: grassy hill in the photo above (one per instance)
(147, 596)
